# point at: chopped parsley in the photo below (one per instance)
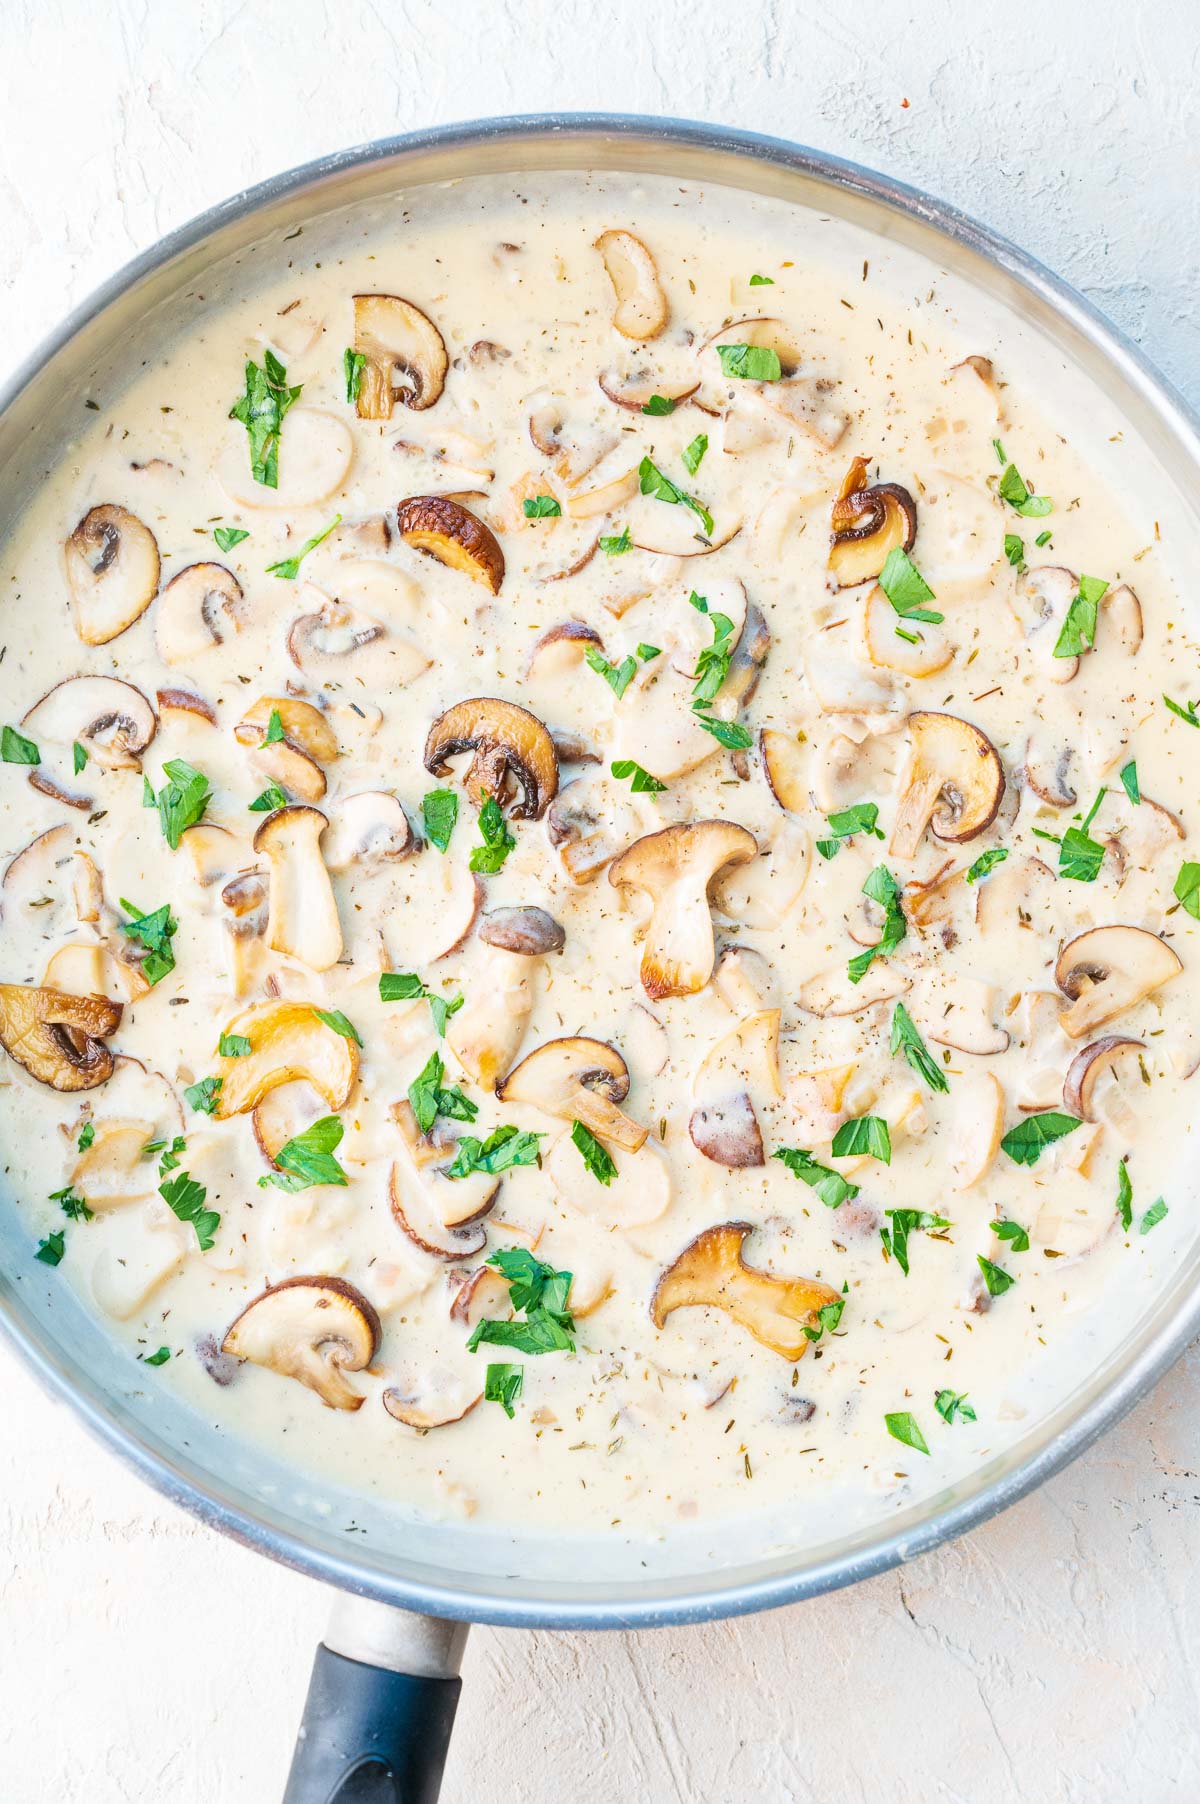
(1079, 855)
(154, 932)
(539, 1291)
(1187, 889)
(762, 281)
(229, 536)
(341, 1024)
(1124, 1203)
(653, 482)
(828, 1317)
(902, 1426)
(234, 1046)
(617, 676)
(647, 652)
(752, 363)
(406, 986)
(845, 823)
(439, 812)
(880, 887)
(72, 1206)
(274, 732)
(659, 405)
(729, 733)
(907, 589)
(1078, 633)
(1153, 1216)
(428, 1098)
(185, 1198)
(307, 1159)
(867, 1134)
(1014, 550)
(157, 1359)
(595, 1156)
(498, 842)
(79, 757)
(614, 543)
(1026, 1142)
(271, 798)
(204, 1095)
(503, 1384)
(50, 1251)
(1013, 489)
(289, 567)
(987, 861)
(994, 1276)
(16, 749)
(832, 1188)
(1185, 710)
(353, 365)
(182, 799)
(87, 1134)
(951, 1405)
(541, 507)
(643, 783)
(1014, 1233)
(503, 1148)
(261, 410)
(692, 455)
(907, 1040)
(712, 665)
(905, 1222)
(1129, 782)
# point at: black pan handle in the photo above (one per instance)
(380, 1708)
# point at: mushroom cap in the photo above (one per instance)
(1107, 970)
(112, 569)
(523, 929)
(1087, 1068)
(675, 867)
(953, 782)
(867, 524)
(312, 1329)
(577, 1079)
(287, 1041)
(710, 1270)
(195, 610)
(58, 1038)
(507, 741)
(447, 531)
(112, 718)
(394, 335)
(304, 726)
(369, 827)
(727, 1132)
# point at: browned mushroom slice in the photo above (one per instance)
(784, 767)
(507, 742)
(405, 353)
(577, 1079)
(742, 1067)
(641, 311)
(369, 828)
(727, 1132)
(445, 530)
(1046, 771)
(953, 782)
(749, 657)
(312, 1329)
(287, 1041)
(711, 1271)
(186, 701)
(523, 929)
(562, 648)
(196, 610)
(303, 920)
(59, 1039)
(1089, 1067)
(113, 569)
(111, 719)
(434, 1396)
(1107, 970)
(417, 1199)
(868, 523)
(675, 867)
(295, 760)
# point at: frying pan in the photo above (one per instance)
(385, 1684)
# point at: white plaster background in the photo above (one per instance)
(1053, 1657)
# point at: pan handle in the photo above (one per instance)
(380, 1708)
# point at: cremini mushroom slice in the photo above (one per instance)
(485, 1035)
(762, 894)
(186, 703)
(196, 610)
(953, 782)
(405, 353)
(287, 1041)
(442, 1216)
(507, 743)
(1041, 601)
(368, 828)
(111, 1170)
(436, 1393)
(634, 386)
(1101, 1064)
(639, 1192)
(577, 1079)
(590, 504)
(743, 1066)
(337, 646)
(111, 719)
(675, 868)
(523, 929)
(1046, 771)
(561, 649)
(588, 823)
(961, 1016)
(722, 394)
(56, 1037)
(283, 1113)
(868, 522)
(112, 570)
(885, 645)
(295, 760)
(711, 1272)
(316, 450)
(43, 885)
(303, 921)
(641, 311)
(746, 980)
(1107, 970)
(784, 765)
(1121, 619)
(845, 768)
(832, 993)
(977, 1098)
(449, 533)
(312, 1329)
(573, 449)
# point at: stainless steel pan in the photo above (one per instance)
(383, 1691)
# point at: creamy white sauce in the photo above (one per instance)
(642, 1427)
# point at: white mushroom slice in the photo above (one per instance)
(592, 503)
(884, 645)
(316, 450)
(978, 1122)
(690, 631)
(405, 353)
(113, 570)
(196, 610)
(1076, 1217)
(561, 650)
(1121, 619)
(111, 1170)
(1096, 1073)
(745, 980)
(303, 920)
(1107, 970)
(815, 1100)
(577, 1079)
(639, 1193)
(718, 392)
(646, 1043)
(1047, 770)
(112, 720)
(953, 782)
(39, 885)
(634, 386)
(283, 1113)
(641, 304)
(1019, 892)
(143, 1247)
(832, 993)
(839, 679)
(478, 1295)
(809, 402)
(588, 823)
(312, 1329)
(1041, 601)
(186, 702)
(337, 645)
(677, 531)
(442, 1389)
(844, 770)
(574, 450)
(656, 725)
(1144, 834)
(485, 1034)
(369, 828)
(783, 517)
(440, 1215)
(80, 969)
(961, 1016)
(783, 764)
(763, 894)
(675, 868)
(742, 1066)
(431, 905)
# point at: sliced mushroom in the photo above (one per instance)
(1108, 970)
(964, 1020)
(602, 500)
(1121, 615)
(508, 743)
(634, 387)
(111, 1170)
(295, 760)
(284, 1113)
(1019, 892)
(112, 720)
(711, 1271)
(369, 828)
(524, 929)
(656, 724)
(763, 893)
(442, 1216)
(641, 304)
(336, 645)
(845, 768)
(448, 532)
(143, 1247)
(868, 523)
(1041, 601)
(113, 570)
(316, 450)
(587, 823)
(303, 920)
(832, 993)
(196, 610)
(719, 392)
(783, 765)
(885, 646)
(574, 449)
(639, 1192)
(953, 782)
(186, 701)
(978, 1102)
(1046, 772)
(811, 403)
(58, 1038)
(561, 649)
(577, 1079)
(40, 884)
(745, 980)
(435, 1394)
(312, 1329)
(287, 1041)
(742, 1065)
(485, 1034)
(405, 353)
(675, 867)
(1089, 1067)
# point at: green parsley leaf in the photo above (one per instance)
(204, 1095)
(1129, 782)
(234, 1046)
(539, 1333)
(864, 1134)
(907, 589)
(185, 1198)
(905, 1222)
(881, 887)
(1153, 1216)
(596, 1156)
(994, 1276)
(1124, 1197)
(1079, 855)
(353, 365)
(828, 1317)
(503, 1148)
(1186, 711)
(274, 732)
(907, 1040)
(429, 1099)
(1078, 632)
(1026, 1142)
(154, 932)
(439, 812)
(503, 1384)
(1012, 1231)
(617, 676)
(950, 1404)
(333, 1017)
(712, 665)
(692, 455)
(170, 1157)
(87, 1134)
(50, 1251)
(261, 410)
(72, 1206)
(658, 405)
(753, 363)
(1014, 491)
(1043, 538)
(762, 281)
(289, 567)
(16, 749)
(832, 1188)
(182, 799)
(643, 783)
(1014, 550)
(541, 507)
(902, 1426)
(729, 733)
(1001, 454)
(1187, 888)
(498, 842)
(157, 1359)
(229, 536)
(307, 1159)
(613, 544)
(79, 757)
(271, 798)
(987, 861)
(653, 482)
(845, 823)
(406, 986)
(647, 652)
(542, 1293)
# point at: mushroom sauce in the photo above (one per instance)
(623, 809)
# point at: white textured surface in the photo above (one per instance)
(1052, 1657)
